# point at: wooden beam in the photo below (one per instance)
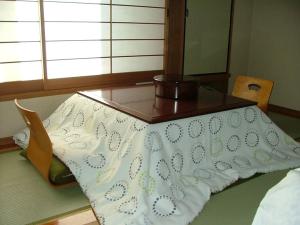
(284, 111)
(71, 85)
(175, 38)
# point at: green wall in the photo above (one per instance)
(266, 43)
(206, 36)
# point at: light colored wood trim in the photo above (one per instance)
(83, 218)
(284, 110)
(33, 94)
(39, 150)
(7, 144)
(259, 94)
(43, 42)
(71, 85)
(103, 80)
(16, 87)
(110, 36)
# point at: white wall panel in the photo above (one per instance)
(131, 64)
(137, 31)
(156, 3)
(20, 71)
(20, 11)
(76, 68)
(23, 31)
(76, 12)
(137, 14)
(137, 47)
(80, 1)
(20, 51)
(11, 120)
(76, 31)
(77, 49)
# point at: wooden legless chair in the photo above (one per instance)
(253, 89)
(39, 150)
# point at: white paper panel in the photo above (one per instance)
(24, 31)
(137, 31)
(76, 12)
(76, 68)
(20, 11)
(76, 31)
(156, 3)
(137, 14)
(137, 47)
(77, 49)
(131, 64)
(19, 51)
(85, 1)
(20, 71)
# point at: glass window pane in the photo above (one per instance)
(77, 49)
(76, 12)
(156, 3)
(76, 31)
(137, 31)
(138, 47)
(76, 68)
(19, 51)
(23, 31)
(131, 64)
(137, 14)
(20, 71)
(19, 11)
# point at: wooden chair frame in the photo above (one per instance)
(253, 89)
(39, 150)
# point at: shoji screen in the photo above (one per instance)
(94, 37)
(137, 35)
(20, 54)
(77, 36)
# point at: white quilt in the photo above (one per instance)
(280, 206)
(136, 173)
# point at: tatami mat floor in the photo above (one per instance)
(26, 198)
(290, 125)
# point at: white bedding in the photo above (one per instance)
(140, 174)
(281, 204)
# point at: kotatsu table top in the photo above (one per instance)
(141, 102)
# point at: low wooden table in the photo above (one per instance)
(140, 102)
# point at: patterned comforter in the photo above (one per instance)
(136, 173)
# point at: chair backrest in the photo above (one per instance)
(39, 150)
(254, 89)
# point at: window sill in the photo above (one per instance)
(31, 89)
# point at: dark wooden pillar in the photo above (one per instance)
(175, 38)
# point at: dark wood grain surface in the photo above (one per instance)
(141, 102)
